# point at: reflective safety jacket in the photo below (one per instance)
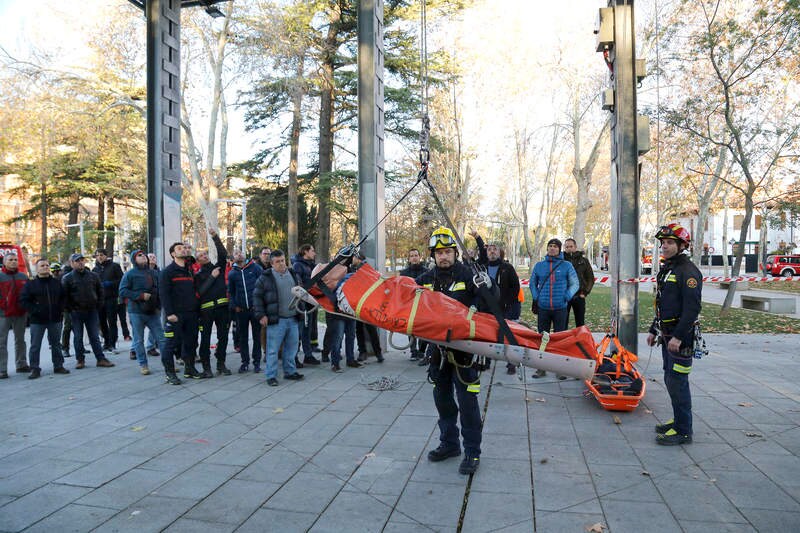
(213, 291)
(455, 282)
(680, 285)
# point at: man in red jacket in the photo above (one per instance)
(12, 314)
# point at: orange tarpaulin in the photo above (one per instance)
(398, 304)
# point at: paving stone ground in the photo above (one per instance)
(110, 450)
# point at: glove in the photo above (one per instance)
(534, 307)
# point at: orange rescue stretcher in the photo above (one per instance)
(616, 384)
(399, 305)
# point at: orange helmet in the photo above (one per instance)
(674, 231)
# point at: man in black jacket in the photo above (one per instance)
(452, 369)
(303, 264)
(44, 299)
(678, 303)
(214, 309)
(271, 298)
(110, 274)
(84, 296)
(586, 277)
(413, 270)
(179, 300)
(505, 279)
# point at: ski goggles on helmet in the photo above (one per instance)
(441, 240)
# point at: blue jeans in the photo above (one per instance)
(286, 333)
(552, 320)
(342, 327)
(138, 323)
(90, 320)
(246, 318)
(53, 338)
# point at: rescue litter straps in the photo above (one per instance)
(413, 314)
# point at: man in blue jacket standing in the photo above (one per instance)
(241, 284)
(553, 283)
(139, 286)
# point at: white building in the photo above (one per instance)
(787, 238)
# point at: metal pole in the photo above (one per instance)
(155, 178)
(625, 177)
(370, 130)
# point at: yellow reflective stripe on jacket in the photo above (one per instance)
(169, 333)
(471, 322)
(428, 286)
(223, 301)
(475, 387)
(413, 314)
(366, 295)
(672, 277)
(458, 286)
(681, 369)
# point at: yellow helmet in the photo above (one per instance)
(442, 237)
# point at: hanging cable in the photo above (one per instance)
(425, 130)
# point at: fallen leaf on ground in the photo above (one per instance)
(645, 473)
(137, 428)
(648, 411)
(541, 400)
(752, 434)
(596, 528)
(617, 420)
(745, 404)
(70, 397)
(543, 461)
(277, 410)
(135, 513)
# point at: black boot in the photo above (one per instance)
(35, 374)
(443, 452)
(190, 372)
(207, 373)
(172, 378)
(222, 370)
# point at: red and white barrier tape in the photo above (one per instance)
(712, 279)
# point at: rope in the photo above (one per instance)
(385, 383)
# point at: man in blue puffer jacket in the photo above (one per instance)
(139, 286)
(241, 284)
(553, 283)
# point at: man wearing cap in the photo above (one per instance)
(12, 314)
(84, 296)
(139, 286)
(44, 298)
(553, 283)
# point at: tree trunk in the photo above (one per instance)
(43, 246)
(583, 178)
(101, 221)
(737, 263)
(326, 114)
(294, 149)
(72, 218)
(111, 228)
(706, 195)
(725, 265)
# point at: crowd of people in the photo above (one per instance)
(192, 296)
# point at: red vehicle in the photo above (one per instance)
(783, 265)
(7, 247)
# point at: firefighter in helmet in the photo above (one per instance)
(679, 287)
(452, 370)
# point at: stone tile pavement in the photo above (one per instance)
(110, 450)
